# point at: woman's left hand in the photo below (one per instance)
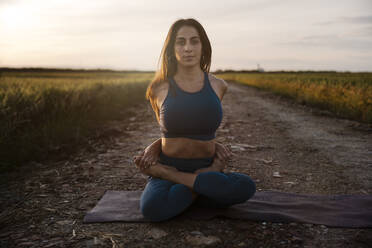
(223, 152)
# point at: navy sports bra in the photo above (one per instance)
(194, 115)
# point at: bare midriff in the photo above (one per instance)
(187, 148)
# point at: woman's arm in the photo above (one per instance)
(172, 174)
(222, 152)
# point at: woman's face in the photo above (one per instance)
(188, 47)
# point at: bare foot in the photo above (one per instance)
(194, 195)
(219, 164)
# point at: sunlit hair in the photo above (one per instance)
(167, 59)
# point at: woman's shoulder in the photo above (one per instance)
(219, 81)
(159, 92)
(160, 87)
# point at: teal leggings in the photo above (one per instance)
(162, 199)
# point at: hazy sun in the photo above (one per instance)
(14, 17)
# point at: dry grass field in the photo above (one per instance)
(347, 95)
(44, 111)
(40, 111)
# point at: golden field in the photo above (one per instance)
(46, 111)
(42, 110)
(347, 95)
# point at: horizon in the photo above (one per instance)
(153, 71)
(274, 35)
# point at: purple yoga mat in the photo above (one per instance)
(271, 206)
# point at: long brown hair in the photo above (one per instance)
(167, 59)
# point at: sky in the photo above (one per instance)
(129, 35)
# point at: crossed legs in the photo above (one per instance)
(169, 191)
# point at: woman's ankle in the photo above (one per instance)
(218, 164)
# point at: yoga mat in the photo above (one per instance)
(331, 210)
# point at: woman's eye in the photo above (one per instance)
(182, 43)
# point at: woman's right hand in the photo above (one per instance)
(137, 159)
(148, 157)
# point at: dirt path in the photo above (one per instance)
(313, 153)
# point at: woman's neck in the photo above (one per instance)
(189, 74)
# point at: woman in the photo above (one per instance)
(186, 164)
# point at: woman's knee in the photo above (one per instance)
(151, 208)
(158, 207)
(244, 186)
(231, 188)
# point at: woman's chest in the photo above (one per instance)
(164, 91)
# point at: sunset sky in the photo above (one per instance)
(117, 34)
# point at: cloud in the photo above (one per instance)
(349, 20)
(368, 30)
(362, 32)
(8, 2)
(364, 58)
(357, 19)
(331, 41)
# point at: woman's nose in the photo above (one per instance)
(187, 47)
